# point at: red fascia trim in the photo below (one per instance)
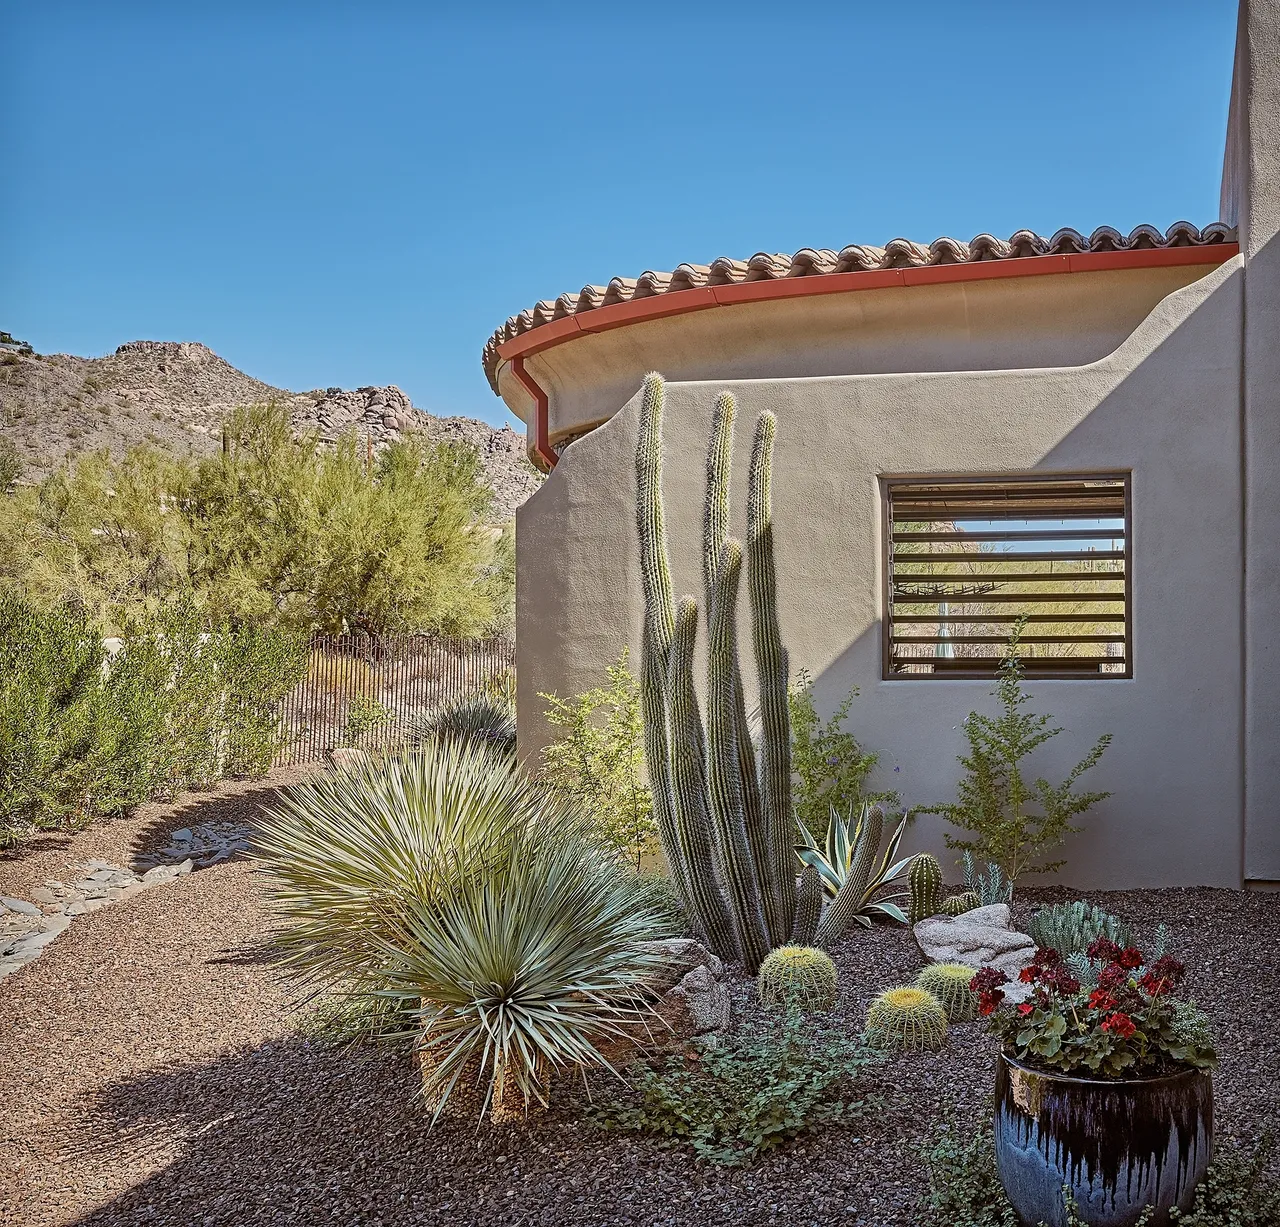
(680, 302)
(541, 441)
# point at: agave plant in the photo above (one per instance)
(482, 718)
(450, 883)
(845, 837)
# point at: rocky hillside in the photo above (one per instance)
(175, 394)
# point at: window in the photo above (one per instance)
(965, 557)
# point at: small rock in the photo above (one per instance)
(161, 873)
(103, 876)
(42, 894)
(181, 837)
(185, 867)
(55, 924)
(20, 905)
(8, 969)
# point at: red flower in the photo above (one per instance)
(1100, 999)
(1130, 957)
(1026, 1008)
(987, 979)
(1103, 950)
(1119, 1024)
(1029, 974)
(1113, 977)
(989, 1001)
(1164, 975)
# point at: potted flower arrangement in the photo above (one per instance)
(1103, 1088)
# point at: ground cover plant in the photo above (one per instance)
(758, 1089)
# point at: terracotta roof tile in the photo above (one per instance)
(817, 262)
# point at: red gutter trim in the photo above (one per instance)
(541, 443)
(681, 302)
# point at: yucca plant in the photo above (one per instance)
(846, 835)
(453, 885)
(482, 718)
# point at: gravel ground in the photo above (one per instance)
(152, 1075)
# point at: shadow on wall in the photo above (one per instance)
(1175, 768)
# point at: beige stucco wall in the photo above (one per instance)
(1251, 200)
(1165, 402)
(1001, 324)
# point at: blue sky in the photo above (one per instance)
(360, 193)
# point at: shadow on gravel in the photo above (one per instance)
(243, 806)
(292, 1133)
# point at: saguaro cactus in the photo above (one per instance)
(723, 813)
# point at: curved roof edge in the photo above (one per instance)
(810, 262)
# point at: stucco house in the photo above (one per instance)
(1082, 428)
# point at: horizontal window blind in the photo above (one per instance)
(966, 557)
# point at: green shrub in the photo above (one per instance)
(484, 719)
(10, 464)
(177, 706)
(749, 1094)
(478, 900)
(598, 757)
(1014, 822)
(830, 767)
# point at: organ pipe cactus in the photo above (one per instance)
(723, 811)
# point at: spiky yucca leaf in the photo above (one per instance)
(527, 972)
(451, 883)
(486, 719)
(833, 864)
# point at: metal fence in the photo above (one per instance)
(361, 690)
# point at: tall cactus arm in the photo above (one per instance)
(659, 624)
(715, 532)
(724, 778)
(715, 507)
(849, 898)
(655, 564)
(657, 759)
(808, 908)
(706, 892)
(779, 833)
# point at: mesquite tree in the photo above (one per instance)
(723, 810)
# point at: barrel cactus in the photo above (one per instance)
(949, 983)
(925, 880)
(802, 976)
(909, 1019)
(957, 905)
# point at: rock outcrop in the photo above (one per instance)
(176, 395)
(980, 938)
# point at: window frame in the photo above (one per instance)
(887, 483)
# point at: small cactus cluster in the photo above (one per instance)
(909, 1019)
(949, 983)
(800, 976)
(925, 881)
(957, 905)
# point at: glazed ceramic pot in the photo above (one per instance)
(1119, 1146)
